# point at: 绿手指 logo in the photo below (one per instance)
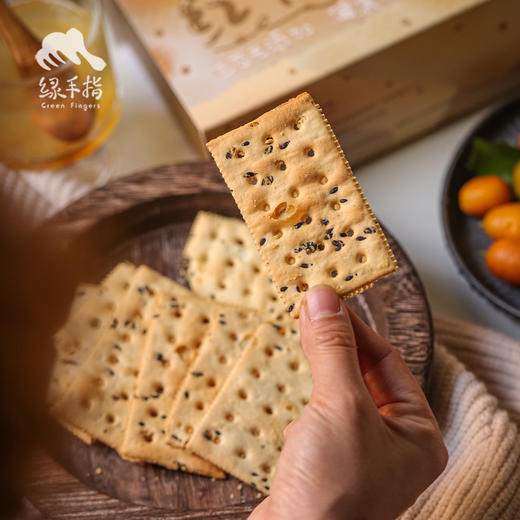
(71, 45)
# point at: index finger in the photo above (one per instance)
(386, 375)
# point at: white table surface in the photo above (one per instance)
(403, 187)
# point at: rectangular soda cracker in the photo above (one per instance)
(242, 432)
(303, 206)
(221, 348)
(97, 401)
(83, 292)
(224, 264)
(83, 328)
(178, 326)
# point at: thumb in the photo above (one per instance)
(330, 347)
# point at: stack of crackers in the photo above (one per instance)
(206, 380)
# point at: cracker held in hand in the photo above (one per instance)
(178, 326)
(229, 334)
(97, 402)
(224, 265)
(304, 208)
(242, 431)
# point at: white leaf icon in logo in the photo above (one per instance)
(70, 44)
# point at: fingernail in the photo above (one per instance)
(322, 301)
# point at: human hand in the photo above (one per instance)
(367, 444)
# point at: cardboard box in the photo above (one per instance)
(384, 71)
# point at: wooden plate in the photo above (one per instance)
(465, 237)
(145, 218)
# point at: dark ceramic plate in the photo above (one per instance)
(466, 239)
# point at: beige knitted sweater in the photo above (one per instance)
(475, 394)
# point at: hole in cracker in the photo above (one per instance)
(303, 286)
(165, 363)
(230, 262)
(176, 313)
(183, 352)
(239, 241)
(229, 417)
(289, 407)
(239, 154)
(137, 314)
(125, 338)
(152, 412)
(323, 179)
(158, 388)
(123, 396)
(295, 193)
(170, 338)
(212, 235)
(254, 123)
(265, 468)
(254, 431)
(147, 437)
(256, 269)
(279, 210)
(222, 359)
(98, 381)
(266, 207)
(278, 234)
(188, 429)
(336, 206)
(85, 403)
(304, 401)
(211, 382)
(199, 405)
(233, 336)
(268, 410)
(268, 139)
(361, 258)
(204, 319)
(110, 306)
(280, 387)
(240, 453)
(246, 291)
(204, 257)
(112, 359)
(125, 285)
(290, 260)
(255, 373)
(242, 393)
(221, 284)
(109, 418)
(273, 298)
(95, 323)
(268, 351)
(298, 123)
(294, 365)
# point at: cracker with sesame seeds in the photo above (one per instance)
(304, 208)
(242, 431)
(178, 327)
(97, 401)
(224, 264)
(229, 334)
(83, 328)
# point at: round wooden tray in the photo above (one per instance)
(145, 218)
